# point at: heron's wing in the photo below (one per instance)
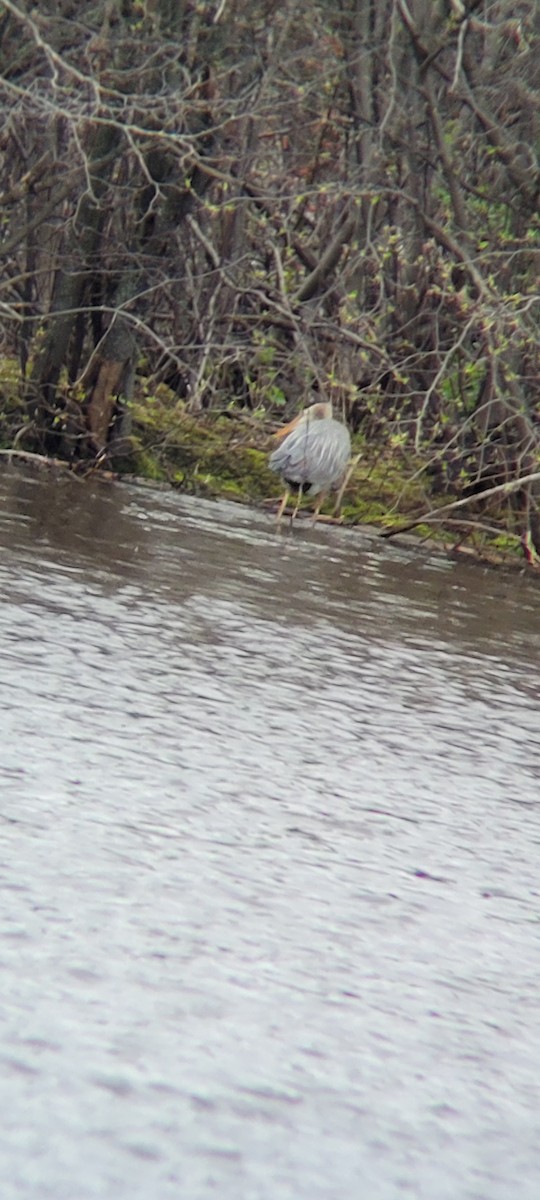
(291, 458)
(329, 451)
(316, 452)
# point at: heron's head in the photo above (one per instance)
(315, 412)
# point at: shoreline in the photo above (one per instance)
(431, 544)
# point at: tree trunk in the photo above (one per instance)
(71, 285)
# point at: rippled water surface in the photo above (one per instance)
(270, 859)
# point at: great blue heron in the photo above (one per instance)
(313, 455)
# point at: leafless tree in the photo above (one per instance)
(256, 200)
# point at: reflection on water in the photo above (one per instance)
(270, 826)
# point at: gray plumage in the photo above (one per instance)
(314, 455)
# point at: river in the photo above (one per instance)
(270, 819)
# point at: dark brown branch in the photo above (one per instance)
(328, 260)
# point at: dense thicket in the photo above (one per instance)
(252, 200)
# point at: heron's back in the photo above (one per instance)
(315, 455)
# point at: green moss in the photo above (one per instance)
(205, 455)
(142, 462)
(381, 490)
(506, 543)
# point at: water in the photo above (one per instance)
(270, 839)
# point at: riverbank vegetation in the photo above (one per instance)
(212, 212)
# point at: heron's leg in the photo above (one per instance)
(318, 506)
(298, 502)
(282, 506)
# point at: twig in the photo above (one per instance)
(459, 57)
(343, 488)
(328, 260)
(28, 456)
(434, 514)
